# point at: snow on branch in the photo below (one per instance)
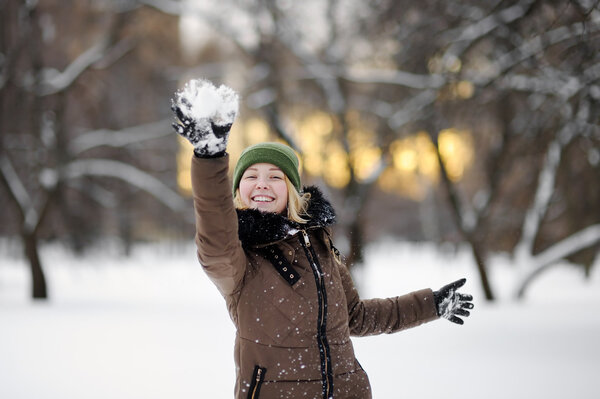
(54, 81)
(533, 265)
(576, 242)
(127, 173)
(100, 55)
(381, 108)
(115, 53)
(564, 87)
(543, 194)
(167, 6)
(534, 46)
(121, 138)
(97, 193)
(485, 25)
(569, 246)
(554, 82)
(19, 193)
(207, 14)
(324, 74)
(261, 98)
(335, 98)
(411, 111)
(395, 77)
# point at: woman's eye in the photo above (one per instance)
(277, 177)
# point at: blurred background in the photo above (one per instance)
(454, 138)
(459, 123)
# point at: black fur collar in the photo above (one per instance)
(258, 228)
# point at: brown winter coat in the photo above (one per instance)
(293, 303)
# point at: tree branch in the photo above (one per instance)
(54, 81)
(532, 47)
(120, 138)
(469, 35)
(545, 189)
(181, 8)
(412, 109)
(394, 77)
(127, 173)
(19, 194)
(574, 243)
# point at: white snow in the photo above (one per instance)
(55, 81)
(201, 100)
(121, 138)
(153, 326)
(203, 103)
(19, 192)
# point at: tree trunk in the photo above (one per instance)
(482, 268)
(39, 288)
(469, 235)
(356, 240)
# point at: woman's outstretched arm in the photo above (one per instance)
(205, 115)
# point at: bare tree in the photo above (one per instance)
(520, 74)
(45, 145)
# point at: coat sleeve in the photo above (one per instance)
(219, 250)
(386, 315)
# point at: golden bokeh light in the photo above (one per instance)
(453, 65)
(244, 133)
(456, 149)
(184, 156)
(365, 155)
(414, 164)
(326, 157)
(365, 160)
(404, 184)
(314, 133)
(314, 163)
(415, 154)
(318, 124)
(336, 172)
(256, 130)
(465, 89)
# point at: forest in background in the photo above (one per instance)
(456, 122)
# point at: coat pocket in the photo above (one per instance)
(257, 379)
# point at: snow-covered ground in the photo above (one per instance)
(153, 326)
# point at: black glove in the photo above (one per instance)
(205, 115)
(451, 304)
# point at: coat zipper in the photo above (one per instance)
(258, 377)
(326, 371)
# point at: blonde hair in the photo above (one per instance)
(297, 203)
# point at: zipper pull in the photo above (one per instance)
(258, 380)
(306, 240)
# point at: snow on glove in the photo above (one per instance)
(205, 115)
(451, 304)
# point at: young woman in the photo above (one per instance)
(265, 242)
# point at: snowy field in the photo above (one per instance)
(152, 326)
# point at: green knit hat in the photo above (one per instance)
(277, 154)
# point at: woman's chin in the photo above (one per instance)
(266, 208)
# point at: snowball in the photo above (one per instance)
(201, 101)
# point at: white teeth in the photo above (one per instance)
(262, 199)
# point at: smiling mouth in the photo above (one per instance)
(262, 198)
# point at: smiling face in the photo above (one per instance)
(263, 187)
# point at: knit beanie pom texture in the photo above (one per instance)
(277, 154)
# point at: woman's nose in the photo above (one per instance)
(261, 183)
